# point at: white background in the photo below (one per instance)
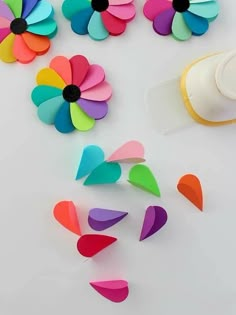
(188, 268)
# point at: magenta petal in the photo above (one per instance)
(163, 22)
(5, 11)
(4, 32)
(96, 110)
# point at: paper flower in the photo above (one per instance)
(182, 18)
(71, 94)
(26, 27)
(98, 18)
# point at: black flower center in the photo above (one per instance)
(180, 5)
(100, 5)
(71, 93)
(18, 26)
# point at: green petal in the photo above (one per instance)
(80, 120)
(46, 27)
(179, 28)
(15, 6)
(42, 93)
(96, 27)
(70, 7)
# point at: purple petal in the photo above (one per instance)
(28, 6)
(96, 110)
(5, 11)
(163, 22)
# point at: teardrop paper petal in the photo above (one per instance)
(142, 177)
(105, 173)
(92, 156)
(65, 213)
(190, 186)
(130, 152)
(114, 290)
(90, 244)
(155, 218)
(101, 219)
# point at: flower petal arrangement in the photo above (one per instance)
(99, 18)
(181, 18)
(26, 27)
(71, 94)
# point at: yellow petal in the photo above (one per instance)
(80, 119)
(48, 76)
(6, 49)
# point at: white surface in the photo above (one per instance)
(189, 267)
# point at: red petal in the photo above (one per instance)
(114, 25)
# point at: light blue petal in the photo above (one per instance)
(63, 121)
(46, 27)
(42, 93)
(71, 7)
(47, 111)
(80, 21)
(207, 10)
(197, 24)
(42, 11)
(96, 27)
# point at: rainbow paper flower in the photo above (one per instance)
(98, 18)
(26, 27)
(182, 18)
(71, 94)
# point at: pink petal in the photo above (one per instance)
(80, 67)
(5, 11)
(119, 2)
(4, 23)
(101, 92)
(153, 7)
(123, 12)
(63, 67)
(95, 75)
(4, 32)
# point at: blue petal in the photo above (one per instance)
(63, 121)
(41, 12)
(197, 24)
(80, 21)
(28, 6)
(70, 7)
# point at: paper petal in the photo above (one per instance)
(4, 32)
(37, 43)
(4, 22)
(101, 219)
(44, 28)
(42, 11)
(196, 24)
(96, 110)
(155, 218)
(80, 119)
(100, 92)
(71, 7)
(105, 173)
(80, 67)
(190, 186)
(114, 290)
(142, 177)
(92, 156)
(90, 244)
(80, 21)
(119, 2)
(114, 25)
(47, 111)
(5, 11)
(50, 77)
(123, 12)
(65, 213)
(15, 6)
(6, 49)
(153, 7)
(28, 6)
(206, 10)
(63, 122)
(163, 22)
(42, 93)
(130, 152)
(95, 75)
(21, 51)
(96, 28)
(62, 67)
(179, 28)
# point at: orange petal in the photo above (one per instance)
(21, 50)
(190, 186)
(37, 43)
(62, 66)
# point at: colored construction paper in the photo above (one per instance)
(130, 152)
(101, 219)
(155, 218)
(142, 177)
(65, 213)
(189, 186)
(92, 156)
(114, 290)
(90, 244)
(105, 173)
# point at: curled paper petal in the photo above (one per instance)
(155, 218)
(105, 173)
(42, 11)
(130, 152)
(100, 92)
(95, 75)
(62, 66)
(96, 110)
(90, 244)
(114, 290)
(80, 67)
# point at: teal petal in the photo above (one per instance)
(63, 121)
(50, 36)
(47, 111)
(41, 11)
(80, 21)
(180, 30)
(46, 27)
(43, 93)
(197, 24)
(105, 173)
(70, 7)
(207, 10)
(96, 27)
